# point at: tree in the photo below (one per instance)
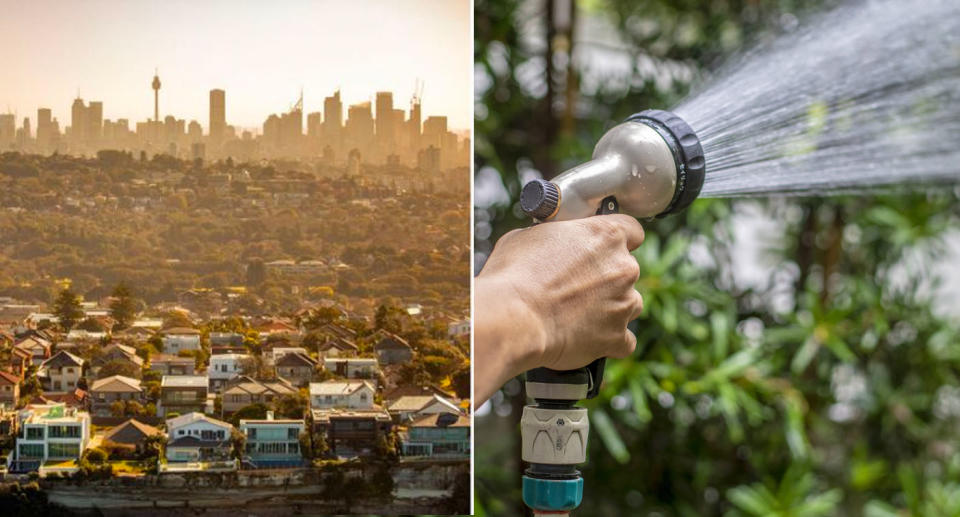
(238, 444)
(95, 455)
(256, 411)
(91, 325)
(153, 446)
(256, 273)
(119, 367)
(67, 309)
(123, 307)
(291, 406)
(388, 318)
(118, 408)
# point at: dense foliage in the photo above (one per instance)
(825, 386)
(163, 226)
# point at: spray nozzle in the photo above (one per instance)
(652, 164)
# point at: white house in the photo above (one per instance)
(409, 408)
(197, 437)
(224, 367)
(273, 354)
(52, 431)
(61, 372)
(272, 439)
(180, 338)
(353, 394)
(353, 368)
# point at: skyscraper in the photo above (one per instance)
(8, 129)
(218, 115)
(386, 136)
(332, 119)
(44, 128)
(314, 121)
(434, 130)
(94, 122)
(78, 121)
(359, 129)
(384, 113)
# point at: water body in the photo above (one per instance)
(864, 96)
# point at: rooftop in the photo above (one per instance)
(441, 420)
(418, 402)
(338, 387)
(324, 415)
(184, 381)
(116, 383)
(189, 418)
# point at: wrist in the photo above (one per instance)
(510, 335)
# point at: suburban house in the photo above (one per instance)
(437, 435)
(51, 432)
(272, 442)
(85, 335)
(243, 390)
(275, 326)
(409, 408)
(172, 365)
(355, 394)
(353, 368)
(337, 347)
(78, 399)
(37, 347)
(135, 333)
(226, 339)
(9, 389)
(180, 338)
(183, 394)
(19, 361)
(197, 437)
(129, 438)
(224, 367)
(104, 392)
(352, 432)
(61, 372)
(337, 330)
(393, 349)
(296, 368)
(407, 390)
(458, 327)
(271, 356)
(115, 352)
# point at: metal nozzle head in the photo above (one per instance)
(539, 199)
(687, 152)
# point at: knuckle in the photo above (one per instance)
(605, 229)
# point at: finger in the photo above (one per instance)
(627, 347)
(631, 228)
(637, 305)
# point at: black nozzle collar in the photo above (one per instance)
(540, 199)
(687, 154)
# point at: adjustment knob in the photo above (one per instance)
(539, 199)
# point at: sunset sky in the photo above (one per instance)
(261, 53)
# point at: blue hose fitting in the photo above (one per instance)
(552, 494)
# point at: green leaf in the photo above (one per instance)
(601, 422)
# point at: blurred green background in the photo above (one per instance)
(797, 357)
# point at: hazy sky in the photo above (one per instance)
(261, 53)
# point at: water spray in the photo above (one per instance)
(651, 165)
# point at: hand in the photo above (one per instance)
(557, 295)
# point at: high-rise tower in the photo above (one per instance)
(218, 115)
(156, 97)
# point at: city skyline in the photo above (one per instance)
(359, 48)
(371, 132)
